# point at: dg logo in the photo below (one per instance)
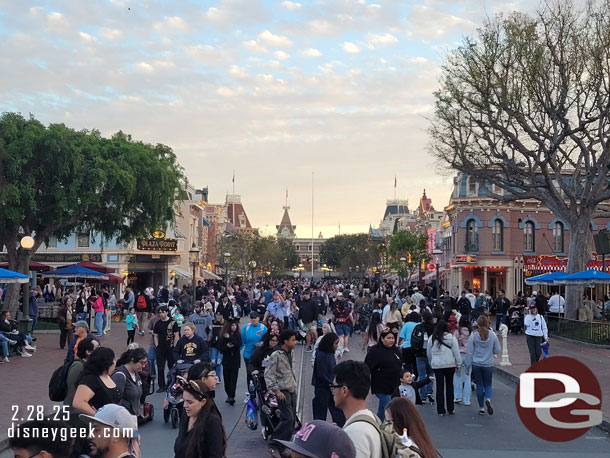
(558, 399)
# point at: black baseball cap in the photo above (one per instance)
(254, 315)
(319, 439)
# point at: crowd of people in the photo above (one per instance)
(409, 343)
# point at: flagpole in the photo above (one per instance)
(234, 222)
(395, 186)
(312, 258)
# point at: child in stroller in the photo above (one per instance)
(172, 405)
(515, 319)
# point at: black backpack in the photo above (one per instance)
(417, 337)
(58, 385)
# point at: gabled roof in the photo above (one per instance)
(286, 223)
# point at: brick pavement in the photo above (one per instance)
(595, 358)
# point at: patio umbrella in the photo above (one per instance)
(114, 279)
(34, 266)
(96, 267)
(586, 277)
(545, 279)
(75, 271)
(8, 276)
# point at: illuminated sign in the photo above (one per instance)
(158, 245)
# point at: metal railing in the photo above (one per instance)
(596, 332)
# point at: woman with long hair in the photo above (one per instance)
(322, 378)
(372, 332)
(461, 379)
(128, 380)
(421, 357)
(95, 386)
(230, 343)
(444, 355)
(201, 433)
(81, 306)
(480, 351)
(65, 319)
(385, 362)
(404, 416)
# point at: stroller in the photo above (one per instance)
(172, 406)
(515, 319)
(268, 408)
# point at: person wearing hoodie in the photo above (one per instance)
(480, 351)
(191, 348)
(461, 380)
(385, 362)
(444, 356)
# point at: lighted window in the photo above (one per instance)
(528, 236)
(497, 235)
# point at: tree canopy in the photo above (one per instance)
(349, 250)
(525, 105)
(411, 246)
(55, 180)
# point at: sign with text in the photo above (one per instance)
(466, 259)
(61, 257)
(158, 244)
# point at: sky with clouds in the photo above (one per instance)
(274, 90)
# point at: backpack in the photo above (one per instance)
(418, 337)
(389, 442)
(141, 302)
(58, 384)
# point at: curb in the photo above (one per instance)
(514, 380)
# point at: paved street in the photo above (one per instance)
(465, 434)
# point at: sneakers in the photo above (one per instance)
(452, 412)
(441, 414)
(5, 359)
(28, 347)
(346, 349)
(490, 409)
(141, 333)
(430, 399)
(481, 411)
(467, 403)
(457, 401)
(26, 355)
(12, 342)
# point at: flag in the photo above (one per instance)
(233, 176)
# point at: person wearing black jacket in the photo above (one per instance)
(409, 388)
(308, 314)
(385, 362)
(190, 348)
(322, 378)
(258, 361)
(501, 304)
(464, 306)
(230, 344)
(541, 303)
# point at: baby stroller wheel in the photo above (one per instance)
(151, 413)
(166, 415)
(174, 417)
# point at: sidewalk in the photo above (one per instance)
(26, 380)
(596, 359)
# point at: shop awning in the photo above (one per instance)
(207, 275)
(34, 266)
(182, 273)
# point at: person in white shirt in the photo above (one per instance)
(350, 388)
(471, 297)
(556, 304)
(536, 333)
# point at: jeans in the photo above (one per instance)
(99, 323)
(152, 357)
(500, 318)
(4, 343)
(34, 319)
(423, 370)
(483, 377)
(216, 361)
(285, 427)
(384, 400)
(461, 384)
(533, 345)
(444, 389)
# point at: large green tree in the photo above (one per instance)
(412, 247)
(525, 105)
(55, 180)
(350, 250)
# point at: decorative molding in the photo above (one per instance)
(468, 218)
(494, 218)
(529, 218)
(566, 226)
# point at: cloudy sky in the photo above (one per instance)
(274, 90)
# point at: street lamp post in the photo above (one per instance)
(27, 243)
(227, 257)
(194, 260)
(436, 252)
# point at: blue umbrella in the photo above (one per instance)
(75, 271)
(8, 276)
(545, 279)
(586, 277)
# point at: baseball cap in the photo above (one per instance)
(254, 315)
(115, 416)
(208, 306)
(339, 294)
(319, 439)
(81, 324)
(415, 288)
